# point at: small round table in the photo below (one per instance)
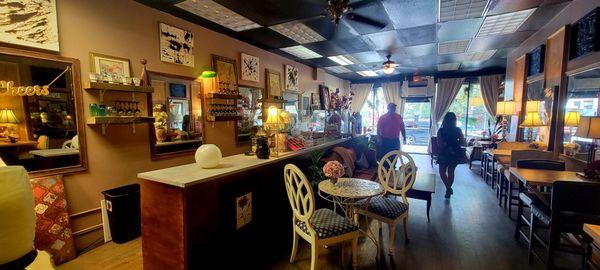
(351, 194)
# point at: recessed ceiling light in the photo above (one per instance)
(217, 13)
(451, 47)
(343, 59)
(448, 66)
(452, 10)
(339, 69)
(297, 31)
(504, 23)
(480, 56)
(367, 73)
(301, 52)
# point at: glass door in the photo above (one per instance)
(417, 121)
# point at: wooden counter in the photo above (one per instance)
(190, 215)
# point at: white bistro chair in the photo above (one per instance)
(318, 227)
(396, 173)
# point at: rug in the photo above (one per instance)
(53, 229)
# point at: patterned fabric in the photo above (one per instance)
(53, 229)
(327, 223)
(387, 207)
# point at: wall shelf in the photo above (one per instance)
(222, 96)
(105, 121)
(102, 88)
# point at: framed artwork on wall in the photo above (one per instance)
(107, 65)
(291, 78)
(226, 74)
(315, 101)
(39, 30)
(250, 66)
(273, 81)
(324, 96)
(583, 35)
(176, 45)
(536, 61)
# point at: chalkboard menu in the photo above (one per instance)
(536, 61)
(584, 37)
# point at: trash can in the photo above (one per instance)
(123, 208)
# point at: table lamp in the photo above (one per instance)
(572, 120)
(8, 118)
(504, 109)
(589, 127)
(272, 124)
(532, 106)
(531, 121)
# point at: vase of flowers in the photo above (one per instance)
(333, 170)
(571, 149)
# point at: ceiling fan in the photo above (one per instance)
(387, 67)
(343, 9)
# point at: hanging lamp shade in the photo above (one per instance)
(532, 119)
(208, 74)
(505, 108)
(572, 118)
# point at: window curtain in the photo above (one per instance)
(393, 94)
(490, 87)
(361, 93)
(447, 89)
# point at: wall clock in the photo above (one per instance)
(250, 67)
(291, 78)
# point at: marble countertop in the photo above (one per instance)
(189, 174)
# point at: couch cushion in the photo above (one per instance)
(327, 223)
(362, 163)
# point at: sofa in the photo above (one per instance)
(348, 158)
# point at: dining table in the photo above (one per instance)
(593, 244)
(533, 178)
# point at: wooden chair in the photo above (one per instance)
(397, 173)
(320, 227)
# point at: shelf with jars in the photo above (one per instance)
(222, 107)
(123, 112)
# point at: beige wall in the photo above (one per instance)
(127, 29)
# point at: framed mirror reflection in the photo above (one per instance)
(41, 114)
(251, 113)
(537, 112)
(177, 109)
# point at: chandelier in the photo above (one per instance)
(337, 8)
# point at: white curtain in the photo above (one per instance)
(447, 89)
(392, 92)
(361, 93)
(490, 90)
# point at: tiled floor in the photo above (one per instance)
(469, 231)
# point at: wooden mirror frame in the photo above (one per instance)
(78, 102)
(263, 93)
(521, 136)
(152, 133)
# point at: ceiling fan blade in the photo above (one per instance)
(362, 19)
(364, 3)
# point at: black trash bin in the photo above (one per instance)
(123, 207)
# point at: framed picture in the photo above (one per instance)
(33, 24)
(273, 81)
(315, 101)
(226, 73)
(176, 45)
(324, 96)
(291, 78)
(536, 61)
(107, 65)
(250, 66)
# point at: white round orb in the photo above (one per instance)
(208, 156)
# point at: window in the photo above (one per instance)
(472, 116)
(374, 107)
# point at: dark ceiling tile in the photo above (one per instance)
(358, 67)
(498, 41)
(325, 48)
(384, 41)
(417, 35)
(367, 57)
(352, 45)
(374, 11)
(327, 29)
(458, 30)
(271, 12)
(542, 15)
(412, 51)
(268, 38)
(411, 13)
(321, 62)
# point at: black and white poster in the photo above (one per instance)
(176, 45)
(30, 23)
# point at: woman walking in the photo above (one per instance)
(450, 139)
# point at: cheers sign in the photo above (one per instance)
(8, 88)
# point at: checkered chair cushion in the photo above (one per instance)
(387, 207)
(327, 223)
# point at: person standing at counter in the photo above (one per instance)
(389, 127)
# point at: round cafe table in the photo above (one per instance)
(351, 194)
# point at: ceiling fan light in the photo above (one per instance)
(388, 70)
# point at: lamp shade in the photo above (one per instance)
(532, 106)
(589, 127)
(208, 74)
(532, 119)
(572, 118)
(505, 108)
(8, 117)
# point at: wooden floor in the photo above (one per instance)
(469, 231)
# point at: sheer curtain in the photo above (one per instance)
(361, 93)
(393, 94)
(490, 87)
(447, 89)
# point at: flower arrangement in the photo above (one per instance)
(338, 102)
(334, 170)
(494, 137)
(538, 145)
(571, 148)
